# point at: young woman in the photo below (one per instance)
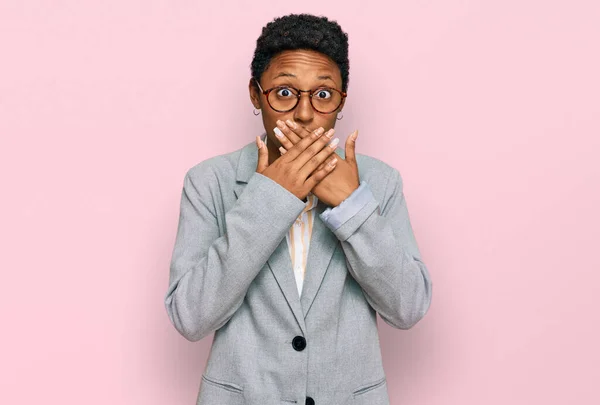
(287, 257)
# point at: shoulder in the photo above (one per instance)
(214, 168)
(377, 173)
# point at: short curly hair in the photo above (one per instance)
(302, 31)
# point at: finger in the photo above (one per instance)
(263, 155)
(293, 151)
(329, 159)
(309, 154)
(319, 175)
(298, 130)
(289, 131)
(351, 147)
(315, 161)
(292, 131)
(282, 135)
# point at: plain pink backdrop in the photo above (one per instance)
(489, 109)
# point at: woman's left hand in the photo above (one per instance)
(342, 180)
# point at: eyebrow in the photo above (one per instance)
(284, 74)
(325, 77)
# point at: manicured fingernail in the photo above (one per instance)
(334, 143)
(280, 124)
(332, 162)
(319, 131)
(282, 150)
(291, 123)
(278, 132)
(329, 133)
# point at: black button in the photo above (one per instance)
(299, 343)
(309, 401)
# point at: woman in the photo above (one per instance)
(293, 324)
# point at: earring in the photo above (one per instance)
(256, 112)
(340, 117)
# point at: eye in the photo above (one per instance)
(284, 92)
(323, 94)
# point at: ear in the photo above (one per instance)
(254, 94)
(341, 107)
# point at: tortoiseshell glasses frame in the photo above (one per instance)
(326, 107)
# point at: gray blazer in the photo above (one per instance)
(231, 273)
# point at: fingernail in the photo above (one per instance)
(319, 131)
(332, 161)
(280, 124)
(282, 150)
(291, 123)
(334, 143)
(278, 132)
(329, 133)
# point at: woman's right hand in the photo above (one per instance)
(296, 170)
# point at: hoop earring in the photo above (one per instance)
(340, 117)
(255, 112)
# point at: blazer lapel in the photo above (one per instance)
(280, 262)
(323, 243)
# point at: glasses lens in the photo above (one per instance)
(283, 98)
(326, 100)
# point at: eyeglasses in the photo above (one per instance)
(285, 98)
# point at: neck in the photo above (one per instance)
(273, 154)
(272, 149)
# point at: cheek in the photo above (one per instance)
(270, 116)
(327, 123)
(269, 122)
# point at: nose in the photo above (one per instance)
(304, 112)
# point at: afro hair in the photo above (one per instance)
(302, 31)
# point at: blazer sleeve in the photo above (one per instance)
(381, 252)
(211, 273)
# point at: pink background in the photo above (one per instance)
(489, 109)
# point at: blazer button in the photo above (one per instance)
(299, 343)
(309, 401)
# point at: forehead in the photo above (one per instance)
(303, 64)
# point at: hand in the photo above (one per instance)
(342, 181)
(302, 166)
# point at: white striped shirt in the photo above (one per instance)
(298, 238)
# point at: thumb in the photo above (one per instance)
(350, 147)
(263, 155)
